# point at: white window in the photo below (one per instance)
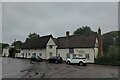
(34, 54)
(40, 54)
(71, 50)
(74, 55)
(26, 55)
(68, 55)
(87, 56)
(51, 46)
(22, 54)
(80, 55)
(29, 54)
(50, 54)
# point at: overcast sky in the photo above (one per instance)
(20, 19)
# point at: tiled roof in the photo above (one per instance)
(77, 41)
(73, 41)
(36, 43)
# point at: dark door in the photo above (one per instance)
(26, 55)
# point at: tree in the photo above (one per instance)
(3, 45)
(17, 44)
(111, 48)
(111, 58)
(83, 30)
(110, 39)
(33, 35)
(13, 51)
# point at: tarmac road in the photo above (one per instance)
(21, 68)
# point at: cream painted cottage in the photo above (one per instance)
(67, 46)
(5, 52)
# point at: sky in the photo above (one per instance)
(44, 18)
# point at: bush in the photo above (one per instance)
(110, 58)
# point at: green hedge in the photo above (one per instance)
(112, 57)
(108, 60)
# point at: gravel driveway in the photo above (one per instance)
(21, 68)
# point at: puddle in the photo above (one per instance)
(114, 75)
(26, 70)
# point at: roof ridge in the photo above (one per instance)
(50, 35)
(77, 36)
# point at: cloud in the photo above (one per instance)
(21, 18)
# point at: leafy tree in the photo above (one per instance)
(17, 44)
(112, 57)
(33, 35)
(3, 45)
(110, 39)
(111, 48)
(13, 51)
(83, 30)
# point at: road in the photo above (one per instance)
(11, 67)
(21, 68)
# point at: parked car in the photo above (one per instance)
(36, 59)
(77, 60)
(55, 59)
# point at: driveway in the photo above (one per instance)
(21, 68)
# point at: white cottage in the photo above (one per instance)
(42, 46)
(78, 45)
(67, 46)
(5, 52)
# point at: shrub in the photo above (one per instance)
(110, 58)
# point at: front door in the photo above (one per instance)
(33, 54)
(23, 55)
(26, 55)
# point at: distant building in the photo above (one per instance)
(67, 46)
(5, 52)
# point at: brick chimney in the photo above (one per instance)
(100, 46)
(67, 36)
(67, 33)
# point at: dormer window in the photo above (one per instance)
(51, 46)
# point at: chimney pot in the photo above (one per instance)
(67, 33)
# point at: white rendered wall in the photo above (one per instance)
(5, 52)
(51, 50)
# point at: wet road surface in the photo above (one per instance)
(11, 67)
(21, 68)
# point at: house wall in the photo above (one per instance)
(88, 51)
(63, 53)
(5, 52)
(96, 52)
(29, 53)
(96, 48)
(49, 50)
(92, 52)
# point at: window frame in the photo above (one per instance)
(50, 54)
(50, 46)
(71, 50)
(40, 54)
(87, 56)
